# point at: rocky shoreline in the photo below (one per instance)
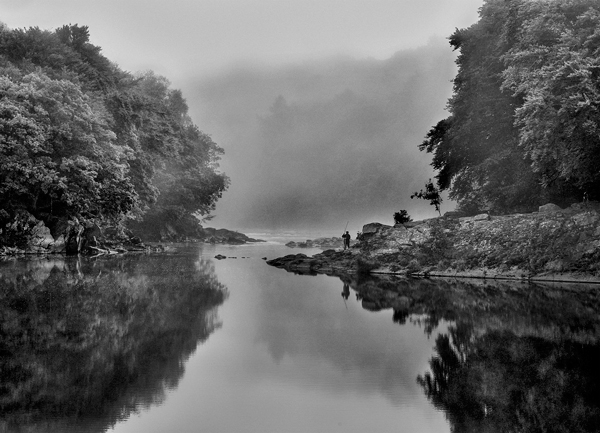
(73, 237)
(323, 243)
(552, 244)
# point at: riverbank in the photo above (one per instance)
(27, 235)
(552, 244)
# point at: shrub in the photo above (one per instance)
(439, 245)
(413, 266)
(402, 217)
(365, 266)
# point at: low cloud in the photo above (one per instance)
(312, 145)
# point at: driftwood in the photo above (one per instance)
(102, 251)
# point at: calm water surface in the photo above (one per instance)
(183, 342)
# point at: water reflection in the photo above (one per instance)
(85, 343)
(346, 291)
(335, 346)
(516, 357)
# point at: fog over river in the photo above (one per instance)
(314, 144)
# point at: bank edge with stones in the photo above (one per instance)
(552, 244)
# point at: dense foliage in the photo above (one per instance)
(402, 217)
(523, 126)
(430, 193)
(82, 139)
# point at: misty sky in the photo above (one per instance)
(233, 58)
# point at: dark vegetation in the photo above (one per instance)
(81, 139)
(364, 267)
(510, 358)
(402, 217)
(85, 343)
(524, 124)
(430, 193)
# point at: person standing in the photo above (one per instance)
(346, 238)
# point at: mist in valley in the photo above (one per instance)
(315, 144)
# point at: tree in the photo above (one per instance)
(63, 54)
(475, 150)
(401, 217)
(59, 156)
(555, 68)
(430, 193)
(175, 165)
(522, 129)
(82, 139)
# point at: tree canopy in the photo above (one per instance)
(82, 139)
(523, 124)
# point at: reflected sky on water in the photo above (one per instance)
(184, 342)
(294, 356)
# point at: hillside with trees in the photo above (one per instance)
(83, 141)
(524, 124)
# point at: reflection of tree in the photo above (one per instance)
(101, 339)
(517, 357)
(525, 309)
(502, 382)
(400, 316)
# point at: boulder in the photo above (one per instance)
(475, 218)
(58, 246)
(40, 236)
(549, 207)
(372, 228)
(454, 214)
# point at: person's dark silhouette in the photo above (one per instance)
(346, 291)
(346, 238)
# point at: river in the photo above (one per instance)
(183, 342)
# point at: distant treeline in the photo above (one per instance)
(524, 124)
(82, 139)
